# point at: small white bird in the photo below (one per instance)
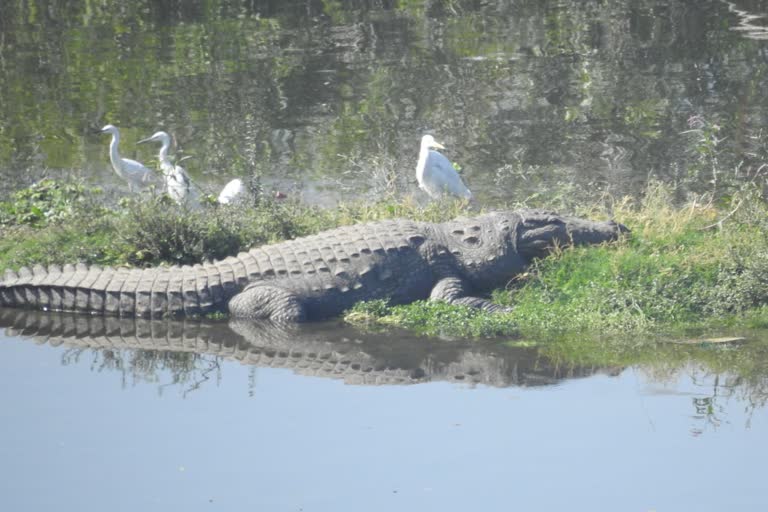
(135, 173)
(177, 182)
(436, 174)
(232, 191)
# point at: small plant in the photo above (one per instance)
(434, 318)
(48, 201)
(706, 147)
(159, 231)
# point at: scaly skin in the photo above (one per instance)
(318, 276)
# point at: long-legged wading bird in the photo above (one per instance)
(177, 182)
(135, 173)
(436, 174)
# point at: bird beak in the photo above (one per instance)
(142, 141)
(438, 145)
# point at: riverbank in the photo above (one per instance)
(693, 268)
(690, 269)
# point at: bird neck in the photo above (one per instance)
(163, 155)
(114, 154)
(423, 154)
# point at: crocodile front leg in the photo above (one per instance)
(455, 291)
(264, 301)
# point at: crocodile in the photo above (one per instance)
(319, 276)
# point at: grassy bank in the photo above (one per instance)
(681, 270)
(699, 266)
(55, 222)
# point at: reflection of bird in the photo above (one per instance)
(436, 174)
(135, 173)
(177, 182)
(232, 191)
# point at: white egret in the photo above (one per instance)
(135, 173)
(436, 174)
(232, 191)
(177, 182)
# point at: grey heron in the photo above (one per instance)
(177, 182)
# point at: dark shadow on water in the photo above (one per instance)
(191, 351)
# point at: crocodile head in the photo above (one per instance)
(540, 232)
(485, 248)
(494, 247)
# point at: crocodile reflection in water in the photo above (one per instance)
(320, 351)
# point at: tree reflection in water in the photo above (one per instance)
(190, 354)
(587, 93)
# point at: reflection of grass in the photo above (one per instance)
(649, 351)
(744, 366)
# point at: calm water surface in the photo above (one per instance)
(329, 99)
(326, 100)
(235, 417)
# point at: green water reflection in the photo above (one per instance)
(333, 95)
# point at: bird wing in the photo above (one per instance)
(182, 177)
(441, 177)
(133, 166)
(230, 191)
(136, 171)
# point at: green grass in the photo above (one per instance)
(56, 223)
(678, 270)
(674, 273)
(433, 318)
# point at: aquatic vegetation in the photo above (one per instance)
(433, 318)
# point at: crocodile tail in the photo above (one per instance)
(154, 292)
(6, 292)
(82, 288)
(54, 287)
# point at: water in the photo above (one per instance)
(240, 416)
(327, 100)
